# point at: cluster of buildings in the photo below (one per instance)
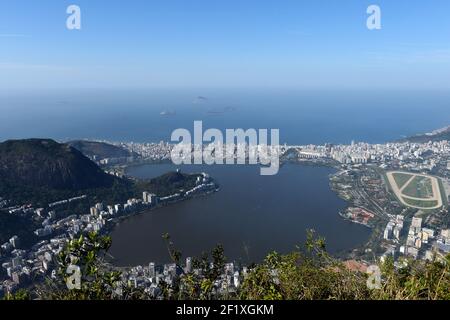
(28, 209)
(162, 151)
(405, 154)
(418, 238)
(20, 268)
(58, 203)
(358, 215)
(419, 242)
(114, 161)
(150, 151)
(25, 266)
(443, 241)
(24, 209)
(394, 228)
(149, 278)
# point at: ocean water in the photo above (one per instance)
(302, 116)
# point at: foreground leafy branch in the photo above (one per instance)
(309, 273)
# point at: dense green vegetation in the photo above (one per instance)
(37, 172)
(46, 164)
(444, 193)
(419, 187)
(309, 273)
(423, 138)
(401, 178)
(169, 183)
(119, 192)
(23, 227)
(421, 203)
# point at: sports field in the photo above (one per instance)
(416, 190)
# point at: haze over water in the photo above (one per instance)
(302, 116)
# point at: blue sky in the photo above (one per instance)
(225, 43)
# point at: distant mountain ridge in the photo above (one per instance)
(437, 135)
(44, 163)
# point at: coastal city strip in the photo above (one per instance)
(364, 178)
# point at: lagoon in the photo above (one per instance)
(250, 216)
